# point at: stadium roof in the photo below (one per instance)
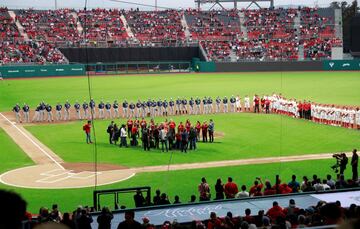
(143, 4)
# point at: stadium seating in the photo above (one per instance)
(257, 35)
(8, 29)
(49, 25)
(213, 25)
(102, 24)
(156, 26)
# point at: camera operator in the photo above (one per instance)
(342, 161)
(354, 165)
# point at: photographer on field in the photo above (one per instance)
(341, 162)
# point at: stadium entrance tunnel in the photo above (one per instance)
(67, 175)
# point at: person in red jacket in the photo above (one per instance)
(275, 212)
(129, 126)
(134, 135)
(188, 125)
(181, 127)
(230, 189)
(143, 124)
(268, 189)
(267, 105)
(204, 128)
(256, 185)
(198, 128)
(87, 129)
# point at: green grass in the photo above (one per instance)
(324, 87)
(246, 136)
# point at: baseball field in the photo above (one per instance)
(246, 145)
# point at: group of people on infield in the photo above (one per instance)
(330, 114)
(171, 136)
(182, 137)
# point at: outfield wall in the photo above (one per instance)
(269, 66)
(28, 71)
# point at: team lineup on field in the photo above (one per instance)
(330, 114)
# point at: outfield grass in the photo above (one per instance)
(247, 135)
(324, 87)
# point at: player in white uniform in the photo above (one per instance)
(247, 103)
(357, 118)
(238, 103)
(352, 114)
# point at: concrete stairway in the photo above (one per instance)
(79, 27)
(127, 27)
(185, 25)
(297, 24)
(19, 26)
(243, 28)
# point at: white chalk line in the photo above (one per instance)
(33, 142)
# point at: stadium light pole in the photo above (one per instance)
(55, 4)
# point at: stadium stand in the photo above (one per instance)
(225, 35)
(102, 24)
(156, 26)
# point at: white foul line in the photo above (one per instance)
(32, 141)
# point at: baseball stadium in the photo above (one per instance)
(191, 114)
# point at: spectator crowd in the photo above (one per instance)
(226, 35)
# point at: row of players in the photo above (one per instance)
(135, 110)
(322, 113)
(329, 114)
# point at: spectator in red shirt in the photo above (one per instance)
(268, 189)
(254, 188)
(214, 221)
(87, 129)
(230, 189)
(275, 212)
(248, 218)
(291, 209)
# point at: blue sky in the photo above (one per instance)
(50, 4)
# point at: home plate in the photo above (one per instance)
(50, 176)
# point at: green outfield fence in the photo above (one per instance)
(27, 71)
(341, 65)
